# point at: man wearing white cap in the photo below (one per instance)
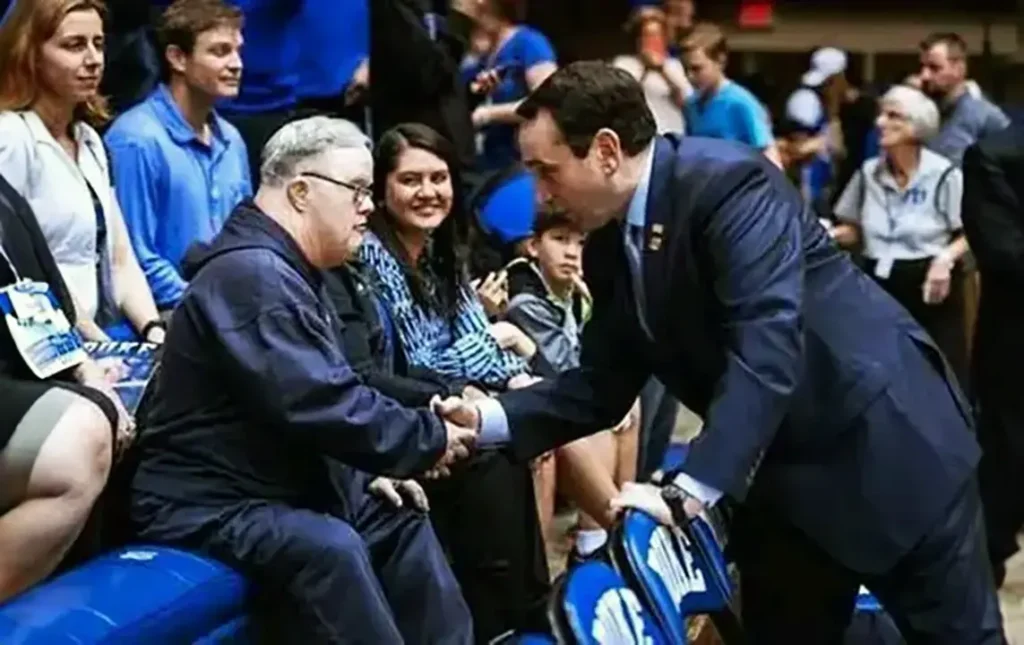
(806, 112)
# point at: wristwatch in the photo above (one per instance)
(151, 325)
(675, 497)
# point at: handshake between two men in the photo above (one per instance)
(670, 505)
(462, 423)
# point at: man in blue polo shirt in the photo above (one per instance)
(721, 108)
(179, 168)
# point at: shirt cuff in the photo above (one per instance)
(707, 495)
(493, 423)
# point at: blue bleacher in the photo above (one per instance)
(136, 594)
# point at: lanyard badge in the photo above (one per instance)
(39, 328)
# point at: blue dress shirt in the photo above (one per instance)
(174, 189)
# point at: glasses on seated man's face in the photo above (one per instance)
(359, 192)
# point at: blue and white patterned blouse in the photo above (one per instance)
(462, 349)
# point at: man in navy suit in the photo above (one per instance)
(829, 415)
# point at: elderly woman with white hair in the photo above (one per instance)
(902, 211)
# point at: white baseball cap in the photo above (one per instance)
(825, 62)
(804, 108)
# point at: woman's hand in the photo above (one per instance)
(493, 293)
(937, 282)
(102, 378)
(520, 381)
(511, 337)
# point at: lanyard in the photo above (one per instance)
(7, 259)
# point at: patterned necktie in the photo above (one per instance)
(633, 242)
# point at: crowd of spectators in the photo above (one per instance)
(330, 254)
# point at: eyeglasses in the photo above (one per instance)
(359, 193)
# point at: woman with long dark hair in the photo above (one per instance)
(416, 254)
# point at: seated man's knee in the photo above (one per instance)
(317, 541)
(75, 459)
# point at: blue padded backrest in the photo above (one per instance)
(600, 609)
(675, 575)
(137, 594)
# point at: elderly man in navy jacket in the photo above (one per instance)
(256, 410)
(829, 415)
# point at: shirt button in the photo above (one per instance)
(215, 193)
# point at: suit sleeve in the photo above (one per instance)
(991, 216)
(754, 239)
(285, 360)
(581, 401)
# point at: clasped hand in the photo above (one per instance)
(462, 423)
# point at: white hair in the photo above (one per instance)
(920, 111)
(305, 139)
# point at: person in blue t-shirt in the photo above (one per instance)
(520, 59)
(721, 108)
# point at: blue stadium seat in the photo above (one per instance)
(592, 605)
(678, 573)
(136, 594)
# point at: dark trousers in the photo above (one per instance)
(380, 577)
(941, 592)
(1001, 472)
(944, 321)
(658, 410)
(485, 515)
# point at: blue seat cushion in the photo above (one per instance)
(136, 594)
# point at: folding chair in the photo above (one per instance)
(678, 573)
(592, 605)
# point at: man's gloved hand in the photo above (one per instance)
(393, 490)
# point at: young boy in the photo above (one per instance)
(548, 298)
(550, 302)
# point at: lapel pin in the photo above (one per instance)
(657, 234)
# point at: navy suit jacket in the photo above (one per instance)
(821, 397)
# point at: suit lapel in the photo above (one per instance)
(657, 233)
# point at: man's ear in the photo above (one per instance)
(608, 149)
(298, 195)
(176, 59)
